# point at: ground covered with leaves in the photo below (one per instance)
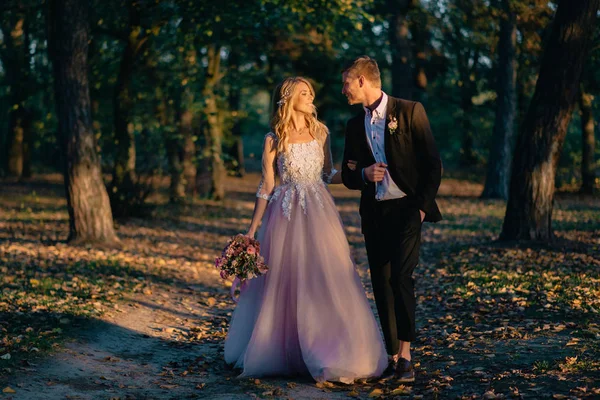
(147, 319)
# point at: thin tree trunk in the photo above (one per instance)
(529, 209)
(468, 157)
(215, 123)
(588, 162)
(16, 65)
(500, 154)
(235, 97)
(124, 175)
(189, 151)
(90, 218)
(173, 146)
(19, 158)
(402, 75)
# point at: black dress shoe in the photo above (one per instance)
(405, 371)
(389, 371)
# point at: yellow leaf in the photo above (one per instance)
(353, 393)
(8, 389)
(376, 393)
(400, 390)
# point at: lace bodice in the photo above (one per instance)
(303, 167)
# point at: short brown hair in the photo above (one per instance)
(366, 66)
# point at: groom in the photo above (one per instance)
(398, 170)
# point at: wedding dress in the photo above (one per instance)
(309, 313)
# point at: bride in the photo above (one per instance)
(309, 313)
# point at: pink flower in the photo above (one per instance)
(251, 250)
(262, 268)
(224, 275)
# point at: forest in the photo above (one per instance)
(131, 136)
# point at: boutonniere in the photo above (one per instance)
(392, 125)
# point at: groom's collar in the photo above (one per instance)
(381, 108)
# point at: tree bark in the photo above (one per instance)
(16, 64)
(189, 151)
(19, 158)
(500, 154)
(402, 75)
(215, 124)
(235, 97)
(123, 186)
(529, 209)
(588, 162)
(468, 156)
(90, 218)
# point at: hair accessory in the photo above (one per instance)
(284, 97)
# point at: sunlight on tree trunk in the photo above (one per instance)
(215, 124)
(189, 152)
(529, 209)
(17, 69)
(90, 218)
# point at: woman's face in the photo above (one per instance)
(303, 99)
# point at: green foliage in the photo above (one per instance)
(262, 41)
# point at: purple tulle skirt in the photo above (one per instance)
(309, 313)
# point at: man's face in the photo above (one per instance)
(351, 88)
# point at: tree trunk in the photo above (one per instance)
(529, 209)
(236, 132)
(173, 146)
(468, 157)
(123, 186)
(500, 154)
(16, 64)
(19, 157)
(215, 124)
(588, 162)
(402, 75)
(90, 218)
(189, 151)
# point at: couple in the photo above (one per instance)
(309, 313)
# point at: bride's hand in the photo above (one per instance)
(351, 165)
(250, 233)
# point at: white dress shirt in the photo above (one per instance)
(375, 131)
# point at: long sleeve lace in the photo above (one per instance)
(267, 182)
(328, 170)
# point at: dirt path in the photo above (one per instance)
(477, 337)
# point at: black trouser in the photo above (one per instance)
(393, 242)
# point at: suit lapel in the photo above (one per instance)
(362, 134)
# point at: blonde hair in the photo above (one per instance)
(365, 66)
(284, 96)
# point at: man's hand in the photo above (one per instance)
(375, 172)
(351, 165)
(422, 215)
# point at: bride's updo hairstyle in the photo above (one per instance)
(284, 96)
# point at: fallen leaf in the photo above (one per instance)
(401, 390)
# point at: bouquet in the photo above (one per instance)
(241, 259)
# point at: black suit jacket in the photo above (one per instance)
(412, 156)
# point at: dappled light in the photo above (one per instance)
(478, 301)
